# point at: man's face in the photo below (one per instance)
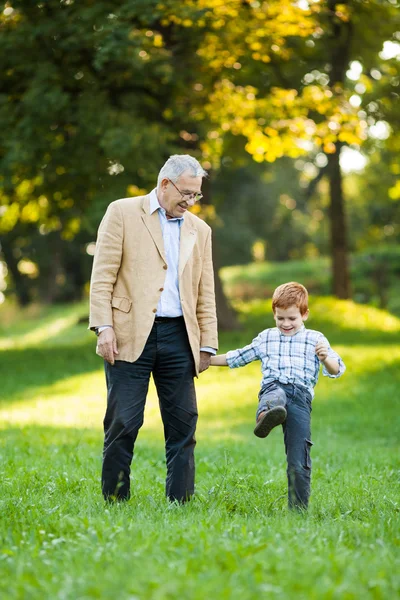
(289, 320)
(172, 201)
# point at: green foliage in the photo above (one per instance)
(81, 121)
(112, 88)
(374, 210)
(376, 277)
(236, 539)
(261, 203)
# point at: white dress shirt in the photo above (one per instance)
(169, 304)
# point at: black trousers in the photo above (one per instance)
(167, 355)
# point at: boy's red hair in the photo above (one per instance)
(290, 294)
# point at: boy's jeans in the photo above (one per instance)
(297, 435)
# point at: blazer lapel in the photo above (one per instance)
(187, 242)
(152, 223)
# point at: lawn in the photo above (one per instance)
(236, 538)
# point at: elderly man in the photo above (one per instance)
(152, 306)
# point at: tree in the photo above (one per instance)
(113, 88)
(305, 102)
(86, 117)
(97, 107)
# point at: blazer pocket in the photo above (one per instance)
(121, 303)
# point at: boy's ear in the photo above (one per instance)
(305, 316)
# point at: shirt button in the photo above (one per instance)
(154, 310)
(161, 290)
(165, 267)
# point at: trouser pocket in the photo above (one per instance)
(307, 454)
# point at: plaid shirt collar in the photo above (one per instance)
(301, 330)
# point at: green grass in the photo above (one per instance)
(236, 539)
(258, 280)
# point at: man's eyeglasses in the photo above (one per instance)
(188, 196)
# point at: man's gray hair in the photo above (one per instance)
(178, 164)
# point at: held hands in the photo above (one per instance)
(205, 359)
(321, 350)
(107, 348)
(107, 345)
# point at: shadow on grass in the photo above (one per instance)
(366, 411)
(72, 352)
(24, 369)
(35, 319)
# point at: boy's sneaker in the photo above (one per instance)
(271, 419)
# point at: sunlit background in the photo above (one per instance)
(291, 106)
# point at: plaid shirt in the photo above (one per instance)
(286, 358)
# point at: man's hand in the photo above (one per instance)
(321, 350)
(107, 345)
(205, 358)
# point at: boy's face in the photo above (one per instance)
(289, 320)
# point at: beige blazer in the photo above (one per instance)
(128, 276)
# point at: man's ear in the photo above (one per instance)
(164, 183)
(305, 316)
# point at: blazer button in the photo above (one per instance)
(165, 267)
(154, 310)
(161, 290)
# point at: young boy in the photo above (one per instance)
(290, 358)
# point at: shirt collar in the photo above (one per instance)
(155, 205)
(302, 328)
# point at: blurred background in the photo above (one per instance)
(292, 107)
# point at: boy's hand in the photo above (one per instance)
(321, 350)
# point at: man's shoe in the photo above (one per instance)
(271, 419)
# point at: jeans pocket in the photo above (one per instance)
(268, 387)
(303, 398)
(307, 459)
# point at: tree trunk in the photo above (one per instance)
(340, 52)
(49, 287)
(340, 268)
(21, 282)
(227, 320)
